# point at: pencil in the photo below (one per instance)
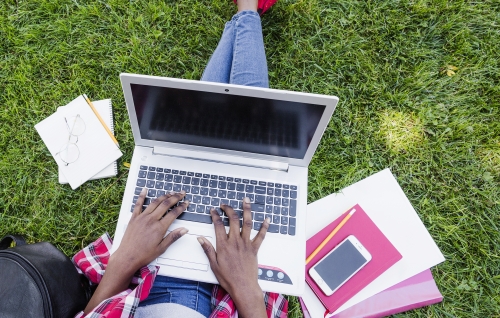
(101, 120)
(329, 237)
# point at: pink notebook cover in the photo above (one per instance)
(384, 255)
(414, 292)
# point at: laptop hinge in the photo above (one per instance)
(227, 159)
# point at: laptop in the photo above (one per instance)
(221, 143)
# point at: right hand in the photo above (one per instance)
(235, 262)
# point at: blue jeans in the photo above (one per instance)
(194, 295)
(238, 59)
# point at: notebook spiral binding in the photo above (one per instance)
(112, 128)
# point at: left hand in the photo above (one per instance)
(144, 239)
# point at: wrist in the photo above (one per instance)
(122, 265)
(243, 291)
(249, 300)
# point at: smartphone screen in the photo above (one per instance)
(343, 262)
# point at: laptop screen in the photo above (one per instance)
(233, 122)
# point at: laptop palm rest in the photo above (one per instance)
(186, 252)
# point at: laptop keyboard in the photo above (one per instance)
(206, 191)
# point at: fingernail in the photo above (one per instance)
(246, 200)
(144, 190)
(268, 220)
(186, 201)
(182, 192)
(200, 240)
(184, 231)
(171, 192)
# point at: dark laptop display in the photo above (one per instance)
(241, 123)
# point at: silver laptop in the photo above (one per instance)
(221, 143)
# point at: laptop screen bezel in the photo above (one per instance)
(329, 102)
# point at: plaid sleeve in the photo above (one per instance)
(276, 304)
(93, 259)
(92, 262)
(305, 311)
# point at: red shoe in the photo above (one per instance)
(263, 5)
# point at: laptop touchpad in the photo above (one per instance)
(186, 252)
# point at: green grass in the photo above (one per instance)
(439, 134)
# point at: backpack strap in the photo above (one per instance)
(8, 239)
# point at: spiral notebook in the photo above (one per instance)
(105, 109)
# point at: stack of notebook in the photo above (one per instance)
(383, 253)
(398, 277)
(80, 138)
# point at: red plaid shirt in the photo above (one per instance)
(92, 261)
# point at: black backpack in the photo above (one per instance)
(38, 280)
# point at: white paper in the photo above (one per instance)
(104, 109)
(96, 148)
(384, 201)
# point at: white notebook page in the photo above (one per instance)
(105, 109)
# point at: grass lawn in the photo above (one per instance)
(419, 92)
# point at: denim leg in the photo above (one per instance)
(240, 57)
(218, 68)
(249, 57)
(194, 295)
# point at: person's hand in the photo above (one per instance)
(235, 262)
(144, 239)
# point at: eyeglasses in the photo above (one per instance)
(70, 152)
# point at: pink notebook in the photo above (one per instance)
(384, 255)
(414, 292)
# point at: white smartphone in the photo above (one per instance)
(338, 266)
